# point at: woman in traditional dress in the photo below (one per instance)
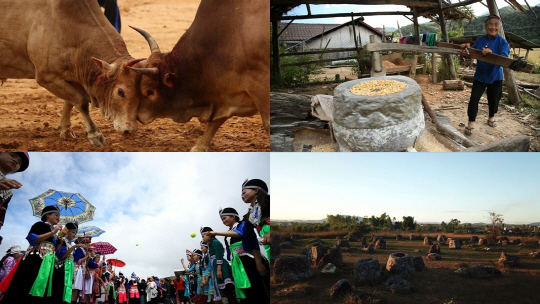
(110, 291)
(246, 257)
(222, 282)
(122, 298)
(255, 193)
(194, 258)
(84, 276)
(66, 255)
(32, 279)
(205, 272)
(133, 291)
(13, 254)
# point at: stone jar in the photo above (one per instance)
(382, 123)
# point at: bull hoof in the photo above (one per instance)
(97, 139)
(198, 148)
(64, 134)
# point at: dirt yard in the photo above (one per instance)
(30, 114)
(436, 284)
(511, 121)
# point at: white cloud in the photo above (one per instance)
(152, 199)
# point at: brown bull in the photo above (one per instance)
(218, 69)
(57, 42)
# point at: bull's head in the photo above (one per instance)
(157, 83)
(117, 89)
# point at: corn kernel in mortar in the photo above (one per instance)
(378, 87)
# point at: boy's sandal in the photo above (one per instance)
(468, 131)
(492, 123)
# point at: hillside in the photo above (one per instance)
(523, 24)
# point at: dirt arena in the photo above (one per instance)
(29, 114)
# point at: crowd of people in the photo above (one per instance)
(59, 268)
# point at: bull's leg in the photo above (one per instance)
(203, 143)
(259, 91)
(78, 98)
(65, 121)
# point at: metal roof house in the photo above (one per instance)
(329, 36)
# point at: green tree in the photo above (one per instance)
(454, 223)
(408, 223)
(496, 222)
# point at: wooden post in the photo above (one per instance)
(399, 30)
(448, 57)
(412, 73)
(434, 67)
(276, 70)
(509, 77)
(376, 63)
(358, 57)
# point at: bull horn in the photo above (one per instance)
(147, 71)
(154, 47)
(131, 62)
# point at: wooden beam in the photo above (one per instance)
(318, 52)
(409, 3)
(275, 52)
(375, 47)
(299, 17)
(286, 26)
(528, 93)
(313, 61)
(530, 9)
(489, 58)
(449, 6)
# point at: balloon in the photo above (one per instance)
(193, 234)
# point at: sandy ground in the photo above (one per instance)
(510, 120)
(29, 114)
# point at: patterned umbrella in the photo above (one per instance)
(116, 262)
(104, 248)
(90, 231)
(73, 206)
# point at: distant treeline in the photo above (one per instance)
(523, 24)
(363, 225)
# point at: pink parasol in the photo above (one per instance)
(104, 248)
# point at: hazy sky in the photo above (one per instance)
(152, 199)
(432, 187)
(379, 21)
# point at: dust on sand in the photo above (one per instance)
(29, 114)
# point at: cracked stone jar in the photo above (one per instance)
(388, 116)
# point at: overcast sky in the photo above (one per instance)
(152, 199)
(432, 187)
(379, 21)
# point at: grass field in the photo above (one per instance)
(437, 284)
(534, 56)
